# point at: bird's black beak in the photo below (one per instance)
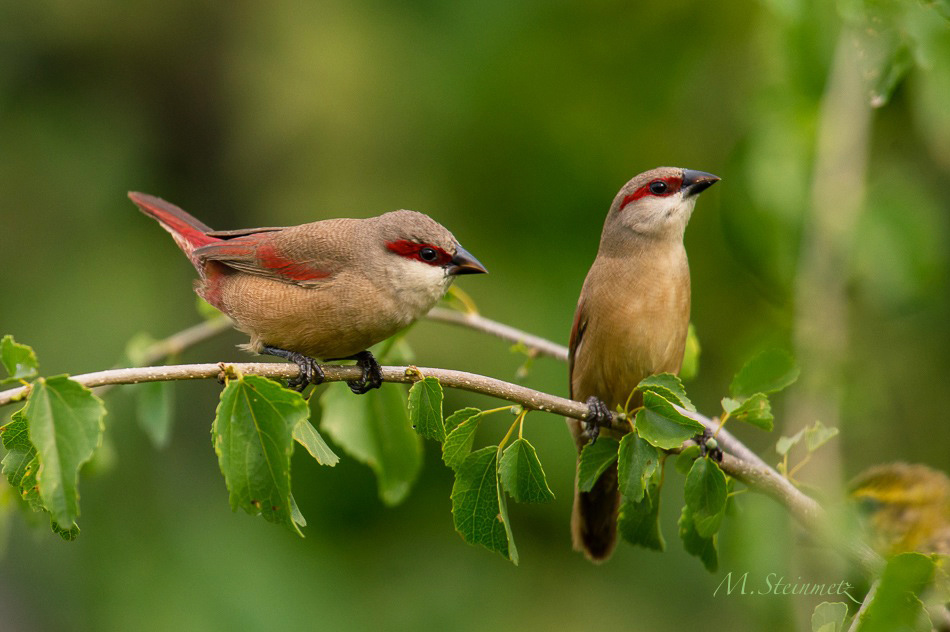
(695, 182)
(464, 263)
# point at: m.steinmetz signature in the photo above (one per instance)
(776, 585)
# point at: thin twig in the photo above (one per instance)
(177, 343)
(738, 461)
(185, 339)
(506, 332)
(559, 352)
(741, 464)
(514, 393)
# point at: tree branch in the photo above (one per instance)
(738, 461)
(540, 346)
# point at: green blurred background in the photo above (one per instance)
(513, 123)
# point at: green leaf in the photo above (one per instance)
(458, 443)
(637, 466)
(521, 474)
(691, 353)
(253, 437)
(664, 426)
(155, 403)
(20, 465)
(460, 415)
(65, 427)
(595, 458)
(702, 547)
(684, 461)
(307, 436)
(425, 409)
(20, 462)
(669, 387)
(69, 534)
(784, 444)
(505, 520)
(136, 349)
(768, 372)
(639, 521)
(295, 514)
(818, 435)
(896, 604)
(755, 410)
(705, 495)
(815, 436)
(374, 429)
(18, 360)
(888, 76)
(478, 508)
(829, 617)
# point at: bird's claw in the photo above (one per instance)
(372, 374)
(709, 446)
(310, 371)
(597, 415)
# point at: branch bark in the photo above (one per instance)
(738, 461)
(537, 344)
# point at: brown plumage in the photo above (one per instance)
(631, 320)
(327, 289)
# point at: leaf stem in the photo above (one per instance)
(722, 422)
(516, 423)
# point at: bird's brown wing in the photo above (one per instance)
(577, 334)
(260, 254)
(242, 232)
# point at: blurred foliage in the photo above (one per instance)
(904, 507)
(513, 123)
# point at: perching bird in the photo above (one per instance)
(328, 289)
(631, 322)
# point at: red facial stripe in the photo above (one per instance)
(410, 250)
(294, 270)
(673, 184)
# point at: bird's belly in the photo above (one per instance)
(634, 343)
(335, 320)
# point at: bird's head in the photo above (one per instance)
(657, 203)
(422, 252)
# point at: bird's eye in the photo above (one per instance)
(658, 187)
(428, 254)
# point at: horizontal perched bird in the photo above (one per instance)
(631, 322)
(327, 289)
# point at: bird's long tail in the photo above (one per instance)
(594, 519)
(189, 232)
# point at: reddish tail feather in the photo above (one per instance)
(188, 232)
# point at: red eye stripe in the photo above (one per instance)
(411, 250)
(673, 184)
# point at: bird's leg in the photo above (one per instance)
(708, 446)
(372, 376)
(310, 371)
(597, 415)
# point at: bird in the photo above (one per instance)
(324, 290)
(631, 322)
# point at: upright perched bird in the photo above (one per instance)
(327, 289)
(631, 322)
